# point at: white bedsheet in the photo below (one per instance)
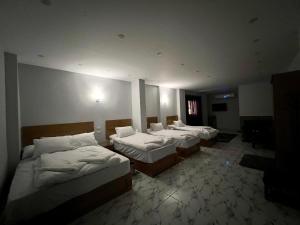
(23, 192)
(143, 141)
(149, 156)
(59, 167)
(204, 132)
(70, 161)
(183, 139)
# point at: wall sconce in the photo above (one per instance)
(164, 99)
(99, 100)
(97, 95)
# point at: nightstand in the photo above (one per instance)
(107, 144)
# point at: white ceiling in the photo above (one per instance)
(212, 37)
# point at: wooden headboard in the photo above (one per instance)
(171, 119)
(33, 132)
(151, 119)
(110, 126)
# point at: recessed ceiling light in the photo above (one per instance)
(121, 36)
(253, 20)
(159, 53)
(40, 55)
(46, 2)
(256, 40)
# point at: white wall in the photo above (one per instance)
(53, 96)
(204, 109)
(168, 103)
(12, 111)
(226, 120)
(3, 149)
(152, 100)
(295, 65)
(138, 105)
(181, 110)
(256, 99)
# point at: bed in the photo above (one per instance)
(151, 162)
(185, 141)
(62, 202)
(207, 134)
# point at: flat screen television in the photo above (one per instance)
(218, 107)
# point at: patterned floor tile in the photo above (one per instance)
(208, 188)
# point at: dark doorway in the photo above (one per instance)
(193, 110)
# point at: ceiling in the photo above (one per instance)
(189, 44)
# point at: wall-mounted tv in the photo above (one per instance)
(218, 107)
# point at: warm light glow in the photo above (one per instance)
(97, 95)
(164, 99)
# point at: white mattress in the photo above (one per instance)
(179, 140)
(203, 132)
(23, 193)
(149, 156)
(188, 143)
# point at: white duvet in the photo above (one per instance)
(143, 141)
(176, 134)
(58, 167)
(203, 132)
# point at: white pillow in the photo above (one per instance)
(156, 126)
(179, 123)
(124, 131)
(52, 144)
(84, 139)
(28, 152)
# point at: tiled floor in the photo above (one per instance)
(208, 188)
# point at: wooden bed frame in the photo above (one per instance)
(186, 152)
(170, 119)
(110, 126)
(33, 132)
(151, 119)
(207, 143)
(71, 209)
(151, 169)
(182, 152)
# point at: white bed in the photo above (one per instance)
(23, 192)
(204, 132)
(63, 174)
(147, 156)
(182, 139)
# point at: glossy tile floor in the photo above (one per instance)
(207, 188)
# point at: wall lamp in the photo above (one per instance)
(97, 95)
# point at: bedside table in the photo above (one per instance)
(107, 144)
